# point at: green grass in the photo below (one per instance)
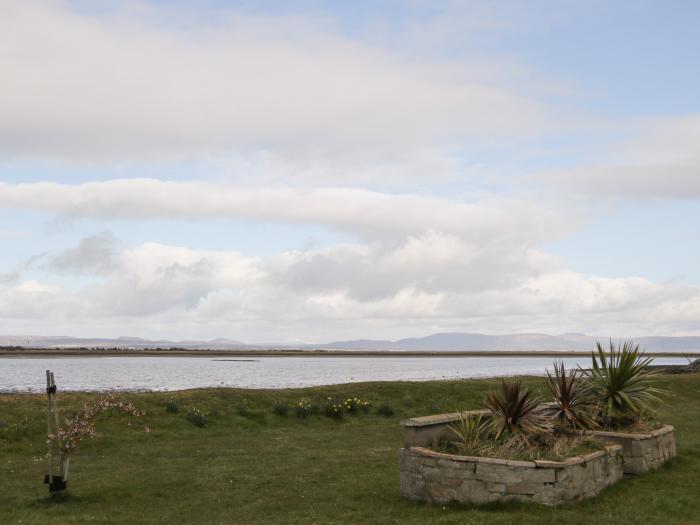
(253, 466)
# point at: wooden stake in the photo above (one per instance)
(48, 421)
(52, 423)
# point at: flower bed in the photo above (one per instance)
(432, 476)
(506, 452)
(642, 451)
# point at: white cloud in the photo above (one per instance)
(365, 213)
(661, 161)
(93, 255)
(276, 103)
(135, 84)
(386, 289)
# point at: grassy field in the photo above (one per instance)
(249, 465)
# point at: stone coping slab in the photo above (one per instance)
(439, 419)
(538, 463)
(632, 435)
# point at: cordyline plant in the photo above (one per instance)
(574, 403)
(469, 430)
(515, 413)
(82, 425)
(623, 382)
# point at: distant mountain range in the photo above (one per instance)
(436, 342)
(466, 342)
(120, 342)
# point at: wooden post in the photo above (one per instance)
(63, 457)
(55, 482)
(48, 421)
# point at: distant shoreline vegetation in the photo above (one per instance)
(289, 352)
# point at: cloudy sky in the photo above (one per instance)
(310, 171)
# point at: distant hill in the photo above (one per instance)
(465, 341)
(449, 341)
(119, 342)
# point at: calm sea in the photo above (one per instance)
(27, 374)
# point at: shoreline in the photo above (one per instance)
(117, 352)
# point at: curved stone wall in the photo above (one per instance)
(642, 452)
(432, 476)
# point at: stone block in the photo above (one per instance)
(540, 475)
(473, 491)
(636, 448)
(448, 464)
(549, 495)
(438, 493)
(432, 475)
(635, 465)
(524, 488)
(452, 482)
(498, 473)
(496, 487)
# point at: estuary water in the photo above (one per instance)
(27, 374)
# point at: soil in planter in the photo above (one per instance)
(550, 447)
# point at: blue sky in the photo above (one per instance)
(309, 171)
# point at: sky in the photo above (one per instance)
(313, 171)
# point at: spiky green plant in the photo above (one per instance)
(516, 414)
(574, 403)
(469, 430)
(623, 381)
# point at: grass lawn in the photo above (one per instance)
(249, 465)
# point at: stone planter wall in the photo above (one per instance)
(428, 431)
(642, 452)
(441, 478)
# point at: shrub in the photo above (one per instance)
(172, 407)
(574, 400)
(622, 382)
(516, 415)
(333, 409)
(280, 408)
(385, 410)
(242, 409)
(196, 417)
